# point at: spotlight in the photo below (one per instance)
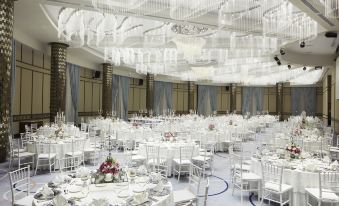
(302, 44)
(318, 67)
(279, 63)
(304, 68)
(289, 66)
(282, 52)
(276, 58)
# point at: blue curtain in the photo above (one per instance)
(207, 92)
(124, 85)
(252, 100)
(303, 99)
(120, 91)
(162, 94)
(13, 78)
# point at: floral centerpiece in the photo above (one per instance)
(135, 124)
(297, 131)
(211, 126)
(168, 136)
(292, 151)
(108, 171)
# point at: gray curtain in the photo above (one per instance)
(124, 86)
(120, 91)
(303, 99)
(74, 81)
(162, 94)
(252, 100)
(13, 78)
(207, 93)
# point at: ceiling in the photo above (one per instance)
(40, 28)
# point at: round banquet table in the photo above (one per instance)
(298, 179)
(60, 147)
(172, 148)
(110, 191)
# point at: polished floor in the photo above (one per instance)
(220, 192)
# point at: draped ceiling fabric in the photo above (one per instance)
(120, 90)
(303, 99)
(72, 92)
(162, 97)
(207, 99)
(252, 100)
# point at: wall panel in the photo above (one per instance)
(26, 91)
(37, 93)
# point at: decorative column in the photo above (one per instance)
(191, 101)
(279, 99)
(58, 78)
(107, 70)
(6, 37)
(149, 92)
(233, 97)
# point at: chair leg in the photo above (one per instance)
(179, 172)
(36, 167)
(281, 203)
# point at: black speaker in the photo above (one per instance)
(141, 82)
(96, 75)
(227, 88)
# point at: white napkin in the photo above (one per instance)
(99, 202)
(305, 155)
(46, 191)
(60, 200)
(159, 187)
(334, 165)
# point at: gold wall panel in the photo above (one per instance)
(82, 96)
(142, 100)
(26, 91)
(27, 54)
(38, 58)
(88, 96)
(37, 93)
(96, 97)
(17, 95)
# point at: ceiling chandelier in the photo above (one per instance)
(191, 9)
(190, 46)
(331, 8)
(188, 29)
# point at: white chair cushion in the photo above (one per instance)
(138, 157)
(244, 167)
(326, 194)
(24, 154)
(74, 154)
(24, 201)
(45, 156)
(183, 162)
(207, 154)
(201, 158)
(250, 176)
(183, 196)
(275, 187)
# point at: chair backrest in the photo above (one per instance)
(328, 181)
(27, 128)
(69, 163)
(186, 152)
(83, 127)
(272, 174)
(20, 182)
(43, 148)
(195, 176)
(237, 165)
(34, 127)
(78, 146)
(152, 152)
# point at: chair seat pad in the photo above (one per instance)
(275, 187)
(244, 167)
(250, 176)
(24, 154)
(182, 162)
(183, 196)
(24, 201)
(74, 154)
(326, 194)
(138, 157)
(155, 161)
(201, 158)
(207, 154)
(46, 155)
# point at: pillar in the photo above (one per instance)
(279, 99)
(149, 92)
(107, 70)
(58, 78)
(191, 99)
(6, 37)
(233, 97)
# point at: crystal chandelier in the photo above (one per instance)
(190, 46)
(331, 8)
(191, 9)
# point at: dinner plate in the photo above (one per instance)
(74, 189)
(123, 194)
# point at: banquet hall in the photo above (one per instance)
(169, 102)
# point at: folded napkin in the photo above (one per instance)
(305, 155)
(334, 165)
(46, 191)
(99, 202)
(60, 200)
(159, 187)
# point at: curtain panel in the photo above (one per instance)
(120, 92)
(303, 99)
(162, 97)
